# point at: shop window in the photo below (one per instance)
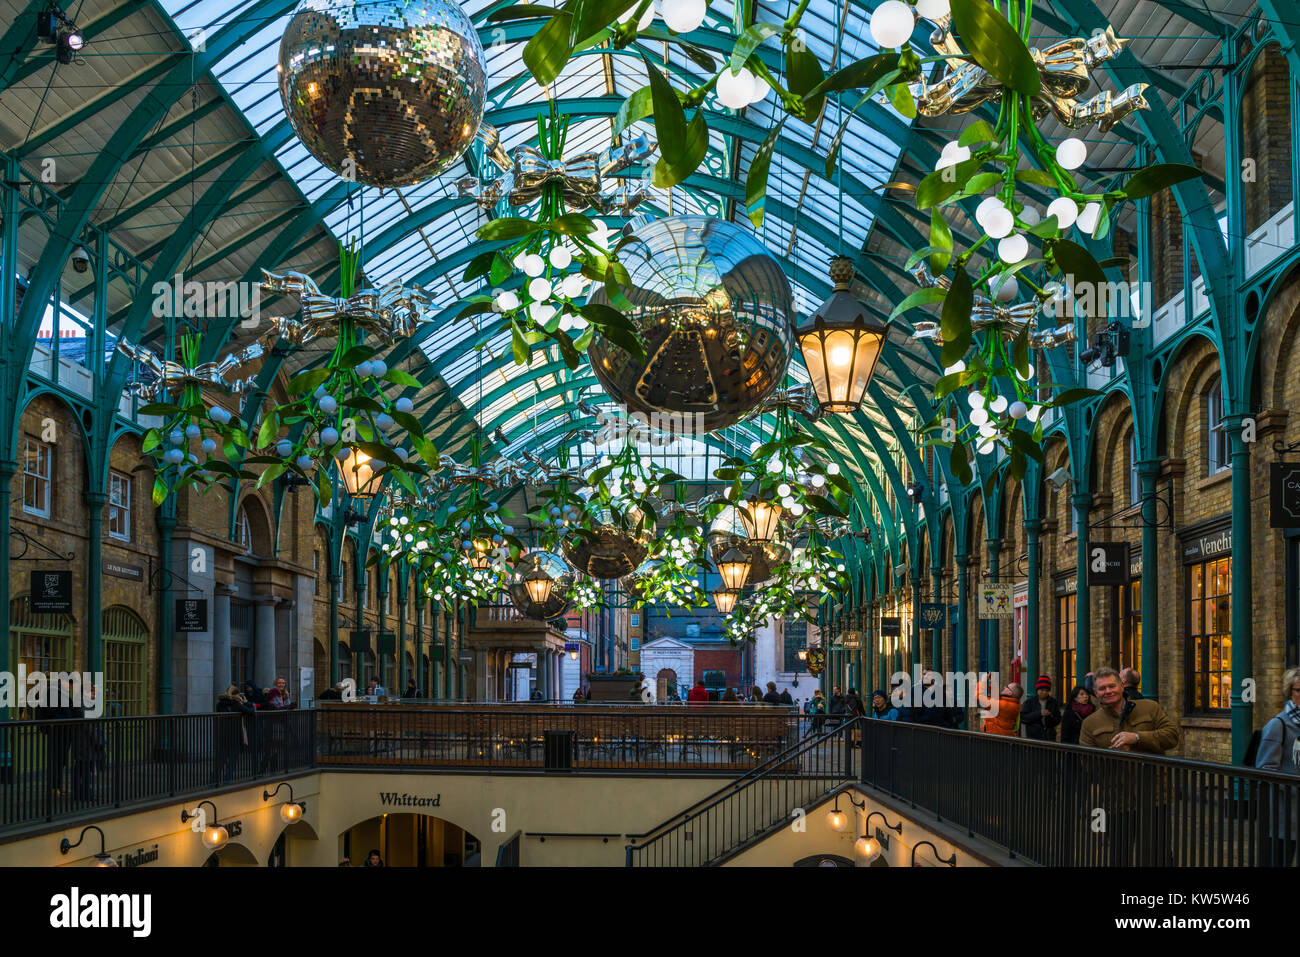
(796, 639)
(1209, 636)
(38, 642)
(315, 567)
(38, 459)
(1128, 617)
(125, 638)
(1216, 432)
(241, 665)
(119, 506)
(1066, 650)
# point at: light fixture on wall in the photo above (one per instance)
(915, 491)
(290, 811)
(838, 820)
(214, 836)
(102, 859)
(950, 861)
(867, 847)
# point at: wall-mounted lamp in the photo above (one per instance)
(289, 811)
(867, 847)
(950, 861)
(214, 836)
(102, 859)
(838, 820)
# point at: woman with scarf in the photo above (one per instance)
(1279, 750)
(1073, 714)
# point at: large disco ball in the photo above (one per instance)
(713, 308)
(728, 530)
(556, 601)
(397, 88)
(610, 548)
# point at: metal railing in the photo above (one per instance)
(748, 809)
(539, 737)
(55, 769)
(1064, 805)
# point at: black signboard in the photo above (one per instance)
(1107, 563)
(386, 643)
(931, 614)
(1284, 495)
(359, 641)
(191, 614)
(891, 627)
(52, 592)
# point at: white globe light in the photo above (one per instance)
(1071, 153)
(958, 366)
(540, 288)
(1065, 210)
(560, 257)
(933, 9)
(998, 223)
(988, 430)
(573, 285)
(735, 89)
(534, 265)
(892, 23)
(1005, 288)
(683, 16)
(1029, 371)
(988, 206)
(952, 154)
(1018, 410)
(984, 448)
(1088, 218)
(832, 469)
(1013, 249)
(541, 312)
(761, 90)
(999, 404)
(1030, 216)
(1034, 413)
(976, 400)
(508, 301)
(978, 416)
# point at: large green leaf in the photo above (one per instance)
(637, 106)
(592, 16)
(959, 464)
(1077, 263)
(803, 74)
(954, 321)
(995, 45)
(749, 41)
(940, 242)
(670, 171)
(305, 382)
(520, 11)
(1155, 178)
(942, 183)
(402, 377)
(922, 297)
(866, 72)
(507, 227)
(756, 180)
(549, 49)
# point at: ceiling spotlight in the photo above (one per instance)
(69, 45)
(915, 491)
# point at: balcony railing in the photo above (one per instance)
(1062, 805)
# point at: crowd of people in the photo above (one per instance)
(234, 738)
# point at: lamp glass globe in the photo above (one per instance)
(1071, 152)
(891, 24)
(683, 16)
(1065, 210)
(735, 89)
(1012, 249)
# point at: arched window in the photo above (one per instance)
(125, 643)
(1217, 459)
(243, 531)
(1134, 480)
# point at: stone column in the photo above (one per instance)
(264, 640)
(221, 639)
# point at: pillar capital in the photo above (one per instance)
(1081, 499)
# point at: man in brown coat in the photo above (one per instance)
(1124, 724)
(1136, 820)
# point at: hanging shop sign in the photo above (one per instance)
(891, 627)
(995, 600)
(191, 614)
(51, 592)
(1107, 563)
(359, 641)
(133, 573)
(931, 614)
(385, 643)
(1284, 495)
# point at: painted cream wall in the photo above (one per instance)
(559, 803)
(787, 846)
(178, 845)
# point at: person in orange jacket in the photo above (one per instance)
(1007, 719)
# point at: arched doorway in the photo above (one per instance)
(232, 855)
(410, 840)
(665, 684)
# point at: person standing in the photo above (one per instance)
(772, 697)
(785, 697)
(730, 697)
(1132, 684)
(1006, 720)
(835, 708)
(277, 701)
(1076, 711)
(232, 734)
(411, 689)
(698, 695)
(1279, 750)
(817, 711)
(882, 707)
(853, 707)
(1041, 713)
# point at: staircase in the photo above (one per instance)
(755, 805)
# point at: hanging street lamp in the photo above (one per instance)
(841, 343)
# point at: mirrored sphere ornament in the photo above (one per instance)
(713, 308)
(383, 92)
(610, 548)
(556, 602)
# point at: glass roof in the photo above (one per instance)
(425, 234)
